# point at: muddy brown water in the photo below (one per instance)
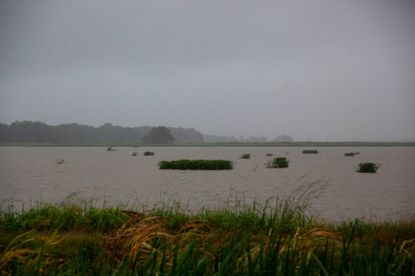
(336, 192)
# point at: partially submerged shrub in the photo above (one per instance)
(368, 167)
(310, 151)
(246, 156)
(134, 154)
(349, 154)
(269, 154)
(110, 149)
(200, 164)
(279, 162)
(148, 153)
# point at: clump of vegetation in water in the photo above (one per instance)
(110, 149)
(201, 164)
(234, 240)
(279, 162)
(246, 156)
(350, 154)
(368, 167)
(148, 153)
(134, 154)
(310, 151)
(269, 154)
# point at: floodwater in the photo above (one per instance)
(335, 191)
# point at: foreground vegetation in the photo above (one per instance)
(234, 239)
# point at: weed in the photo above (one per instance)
(279, 162)
(236, 239)
(368, 167)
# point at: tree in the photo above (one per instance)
(159, 135)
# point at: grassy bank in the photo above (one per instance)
(252, 240)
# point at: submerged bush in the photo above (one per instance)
(200, 164)
(148, 153)
(349, 154)
(368, 167)
(246, 156)
(279, 162)
(134, 154)
(269, 154)
(310, 151)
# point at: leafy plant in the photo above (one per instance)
(279, 162)
(368, 167)
(349, 154)
(148, 153)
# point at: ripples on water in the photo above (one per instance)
(30, 174)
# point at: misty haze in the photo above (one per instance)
(207, 137)
(321, 70)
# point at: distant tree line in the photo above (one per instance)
(249, 139)
(76, 134)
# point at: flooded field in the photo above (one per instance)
(336, 191)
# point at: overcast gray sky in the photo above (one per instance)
(320, 70)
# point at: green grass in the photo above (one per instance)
(201, 164)
(278, 162)
(233, 239)
(368, 167)
(47, 217)
(148, 153)
(310, 151)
